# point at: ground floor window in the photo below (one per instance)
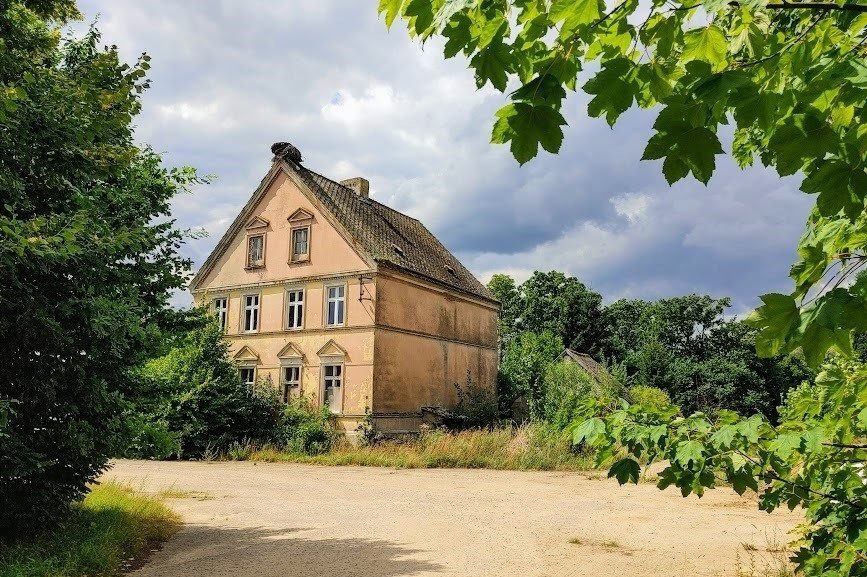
(332, 376)
(291, 383)
(248, 375)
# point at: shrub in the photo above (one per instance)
(305, 429)
(649, 396)
(150, 439)
(477, 404)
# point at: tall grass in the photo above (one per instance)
(530, 447)
(111, 529)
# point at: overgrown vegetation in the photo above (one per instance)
(529, 447)
(112, 529)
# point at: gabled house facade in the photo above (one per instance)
(330, 294)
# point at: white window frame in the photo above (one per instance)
(258, 310)
(221, 312)
(298, 257)
(292, 315)
(287, 384)
(338, 409)
(261, 263)
(241, 370)
(328, 300)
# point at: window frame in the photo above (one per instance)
(285, 383)
(298, 257)
(222, 314)
(250, 236)
(287, 304)
(326, 300)
(324, 380)
(243, 316)
(241, 370)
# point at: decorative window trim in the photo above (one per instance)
(243, 315)
(224, 319)
(250, 236)
(299, 258)
(287, 304)
(325, 300)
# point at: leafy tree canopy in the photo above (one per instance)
(88, 255)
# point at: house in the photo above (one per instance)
(327, 293)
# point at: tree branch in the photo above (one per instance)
(826, 6)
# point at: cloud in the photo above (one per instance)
(230, 78)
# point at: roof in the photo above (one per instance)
(585, 361)
(389, 237)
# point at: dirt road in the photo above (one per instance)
(264, 520)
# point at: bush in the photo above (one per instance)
(476, 404)
(649, 397)
(150, 439)
(305, 429)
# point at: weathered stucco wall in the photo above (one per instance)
(428, 339)
(329, 252)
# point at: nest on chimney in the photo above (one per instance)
(286, 151)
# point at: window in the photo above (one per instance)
(332, 376)
(221, 309)
(248, 375)
(300, 244)
(335, 306)
(291, 383)
(251, 313)
(256, 251)
(295, 309)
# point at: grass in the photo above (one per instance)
(531, 447)
(109, 532)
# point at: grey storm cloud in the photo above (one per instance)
(229, 78)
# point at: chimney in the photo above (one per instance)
(360, 185)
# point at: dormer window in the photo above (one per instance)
(300, 244)
(256, 251)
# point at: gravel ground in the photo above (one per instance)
(287, 520)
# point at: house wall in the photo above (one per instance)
(427, 339)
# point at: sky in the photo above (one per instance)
(229, 78)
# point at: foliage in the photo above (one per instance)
(648, 397)
(550, 301)
(813, 459)
(703, 361)
(790, 78)
(523, 368)
(366, 429)
(88, 255)
(111, 527)
(304, 429)
(193, 395)
(530, 447)
(567, 388)
(149, 438)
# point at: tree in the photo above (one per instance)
(562, 304)
(88, 256)
(791, 79)
(504, 290)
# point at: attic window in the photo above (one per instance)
(397, 249)
(450, 269)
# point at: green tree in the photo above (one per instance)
(88, 255)
(504, 289)
(790, 79)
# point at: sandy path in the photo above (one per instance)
(263, 520)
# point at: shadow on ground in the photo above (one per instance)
(252, 552)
